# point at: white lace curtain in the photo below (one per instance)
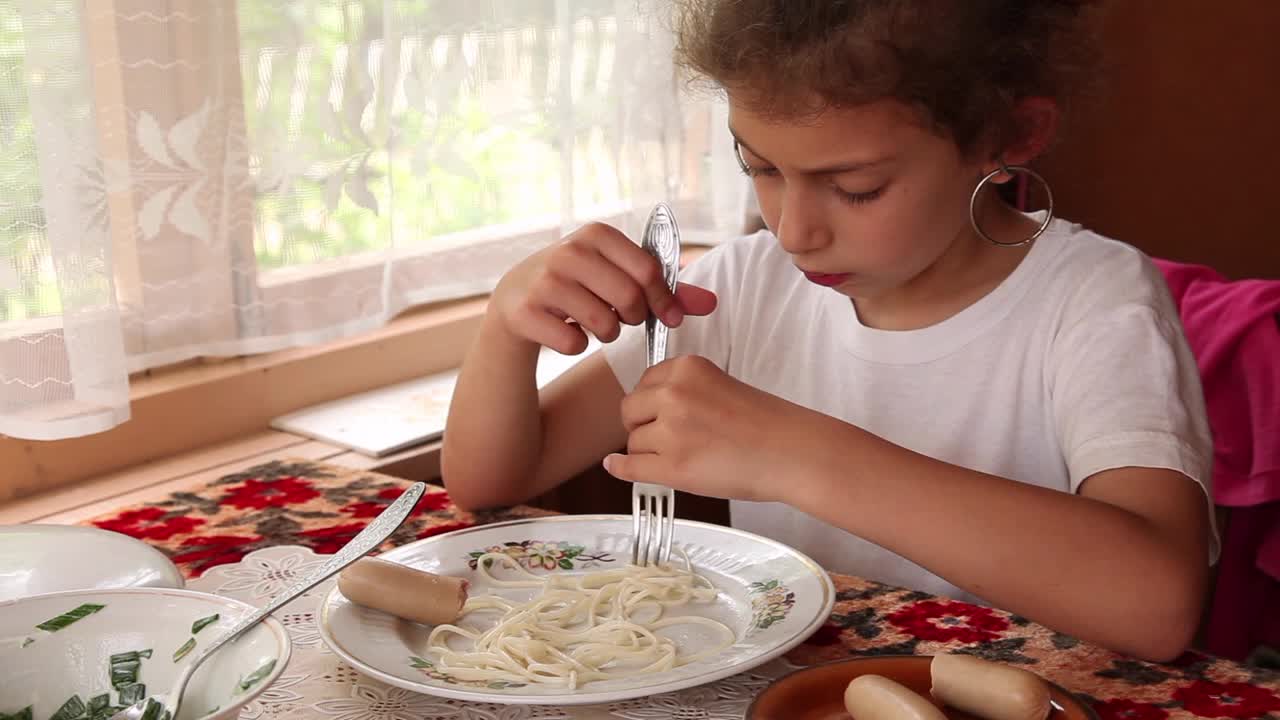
(183, 178)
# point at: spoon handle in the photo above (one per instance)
(371, 537)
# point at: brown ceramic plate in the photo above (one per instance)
(817, 693)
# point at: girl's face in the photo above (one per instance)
(865, 199)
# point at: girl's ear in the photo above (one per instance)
(1036, 123)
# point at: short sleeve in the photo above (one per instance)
(1128, 394)
(1124, 384)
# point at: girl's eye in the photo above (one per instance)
(752, 172)
(859, 198)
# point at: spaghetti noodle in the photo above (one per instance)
(578, 629)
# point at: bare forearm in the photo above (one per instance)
(495, 426)
(1078, 565)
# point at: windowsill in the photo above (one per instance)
(212, 416)
(408, 325)
(203, 404)
(81, 501)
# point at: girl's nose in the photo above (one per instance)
(801, 227)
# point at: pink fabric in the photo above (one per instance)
(1235, 335)
(1234, 332)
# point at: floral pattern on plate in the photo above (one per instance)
(770, 603)
(544, 555)
(429, 669)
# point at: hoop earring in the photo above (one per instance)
(1010, 170)
(737, 155)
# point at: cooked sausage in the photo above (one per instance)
(411, 594)
(989, 690)
(873, 697)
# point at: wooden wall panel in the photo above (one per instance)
(1180, 152)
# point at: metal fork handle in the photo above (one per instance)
(653, 506)
(655, 341)
(662, 240)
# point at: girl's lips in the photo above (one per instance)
(827, 279)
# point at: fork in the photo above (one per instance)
(653, 507)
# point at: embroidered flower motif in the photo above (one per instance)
(265, 578)
(722, 700)
(371, 702)
(699, 703)
(371, 508)
(302, 628)
(206, 551)
(949, 621)
(363, 510)
(433, 499)
(277, 693)
(1230, 700)
(1122, 709)
(257, 494)
(149, 523)
(329, 540)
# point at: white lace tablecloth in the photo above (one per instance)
(318, 684)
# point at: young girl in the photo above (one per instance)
(902, 377)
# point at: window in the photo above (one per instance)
(215, 178)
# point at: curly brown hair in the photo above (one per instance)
(963, 64)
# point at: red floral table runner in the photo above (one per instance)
(322, 507)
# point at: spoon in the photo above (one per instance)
(371, 537)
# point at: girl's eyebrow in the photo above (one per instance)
(834, 169)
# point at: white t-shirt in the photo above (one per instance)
(1076, 363)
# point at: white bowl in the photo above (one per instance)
(38, 559)
(44, 669)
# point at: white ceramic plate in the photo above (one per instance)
(50, 667)
(37, 559)
(770, 595)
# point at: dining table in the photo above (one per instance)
(250, 534)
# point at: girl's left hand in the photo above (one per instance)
(694, 428)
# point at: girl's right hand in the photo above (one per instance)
(596, 278)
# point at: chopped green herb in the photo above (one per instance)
(99, 702)
(130, 656)
(167, 715)
(25, 643)
(152, 710)
(256, 676)
(65, 619)
(215, 709)
(203, 623)
(72, 709)
(124, 673)
(23, 714)
(132, 693)
(187, 647)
